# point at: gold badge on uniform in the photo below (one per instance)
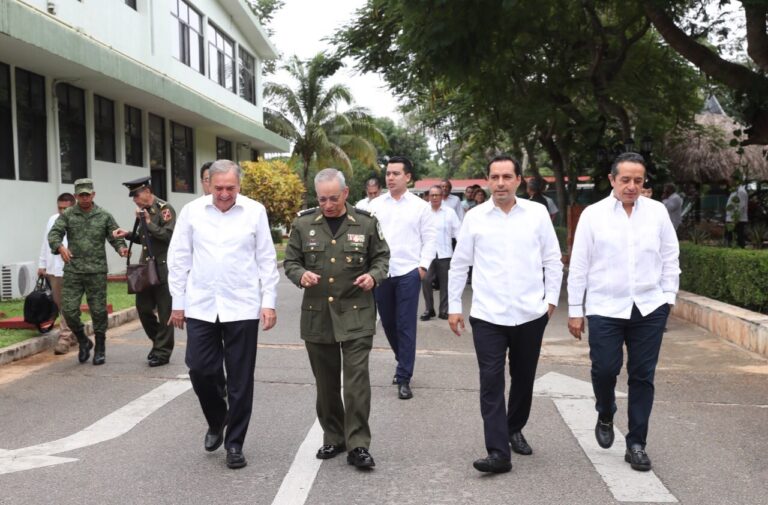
(167, 215)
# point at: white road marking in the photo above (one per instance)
(300, 477)
(575, 402)
(111, 426)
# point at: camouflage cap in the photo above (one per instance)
(83, 186)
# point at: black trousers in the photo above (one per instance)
(155, 326)
(642, 335)
(233, 344)
(439, 268)
(491, 344)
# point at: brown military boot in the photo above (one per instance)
(62, 346)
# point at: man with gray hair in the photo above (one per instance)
(372, 190)
(222, 274)
(337, 254)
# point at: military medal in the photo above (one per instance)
(311, 233)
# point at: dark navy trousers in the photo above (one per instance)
(492, 342)
(209, 345)
(642, 335)
(397, 299)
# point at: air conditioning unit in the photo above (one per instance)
(17, 280)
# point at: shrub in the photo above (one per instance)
(735, 276)
(276, 186)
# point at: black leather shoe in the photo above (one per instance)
(151, 355)
(235, 458)
(404, 391)
(637, 458)
(427, 315)
(155, 361)
(329, 451)
(520, 444)
(85, 350)
(360, 457)
(394, 379)
(604, 433)
(443, 315)
(214, 438)
(493, 464)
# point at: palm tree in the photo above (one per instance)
(308, 116)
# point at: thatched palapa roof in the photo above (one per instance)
(704, 154)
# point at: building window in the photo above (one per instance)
(223, 149)
(156, 142)
(221, 58)
(31, 126)
(72, 137)
(104, 128)
(182, 158)
(134, 154)
(131, 4)
(7, 170)
(254, 155)
(188, 34)
(247, 76)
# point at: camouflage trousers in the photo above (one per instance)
(94, 286)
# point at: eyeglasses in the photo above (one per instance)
(325, 199)
(435, 196)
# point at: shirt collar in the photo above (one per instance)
(617, 205)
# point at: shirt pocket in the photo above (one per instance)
(355, 313)
(355, 257)
(314, 256)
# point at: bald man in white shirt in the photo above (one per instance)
(222, 275)
(516, 277)
(624, 275)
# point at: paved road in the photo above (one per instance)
(708, 430)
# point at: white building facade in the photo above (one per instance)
(118, 89)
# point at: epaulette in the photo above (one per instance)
(363, 212)
(306, 212)
(161, 203)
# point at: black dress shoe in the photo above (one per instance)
(394, 379)
(604, 433)
(443, 315)
(85, 350)
(637, 458)
(151, 355)
(520, 444)
(155, 361)
(329, 451)
(360, 457)
(404, 391)
(214, 438)
(235, 458)
(427, 315)
(493, 464)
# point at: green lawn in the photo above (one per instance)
(117, 295)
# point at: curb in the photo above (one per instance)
(745, 328)
(34, 345)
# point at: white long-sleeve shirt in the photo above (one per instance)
(516, 263)
(52, 263)
(222, 264)
(620, 260)
(408, 229)
(447, 227)
(454, 202)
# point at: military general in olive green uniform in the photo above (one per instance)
(159, 218)
(86, 226)
(338, 254)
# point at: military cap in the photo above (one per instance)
(135, 185)
(83, 186)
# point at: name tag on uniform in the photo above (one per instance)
(356, 238)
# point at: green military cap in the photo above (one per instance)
(135, 185)
(83, 186)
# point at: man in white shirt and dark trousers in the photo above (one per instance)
(407, 224)
(222, 274)
(52, 266)
(447, 226)
(516, 277)
(450, 200)
(625, 259)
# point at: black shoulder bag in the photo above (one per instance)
(141, 276)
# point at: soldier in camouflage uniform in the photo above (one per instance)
(160, 218)
(86, 226)
(338, 254)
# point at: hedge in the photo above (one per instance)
(735, 276)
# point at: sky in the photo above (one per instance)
(299, 27)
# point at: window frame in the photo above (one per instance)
(182, 174)
(104, 129)
(224, 149)
(183, 28)
(134, 140)
(249, 85)
(7, 149)
(218, 59)
(37, 114)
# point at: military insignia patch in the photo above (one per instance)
(378, 229)
(167, 215)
